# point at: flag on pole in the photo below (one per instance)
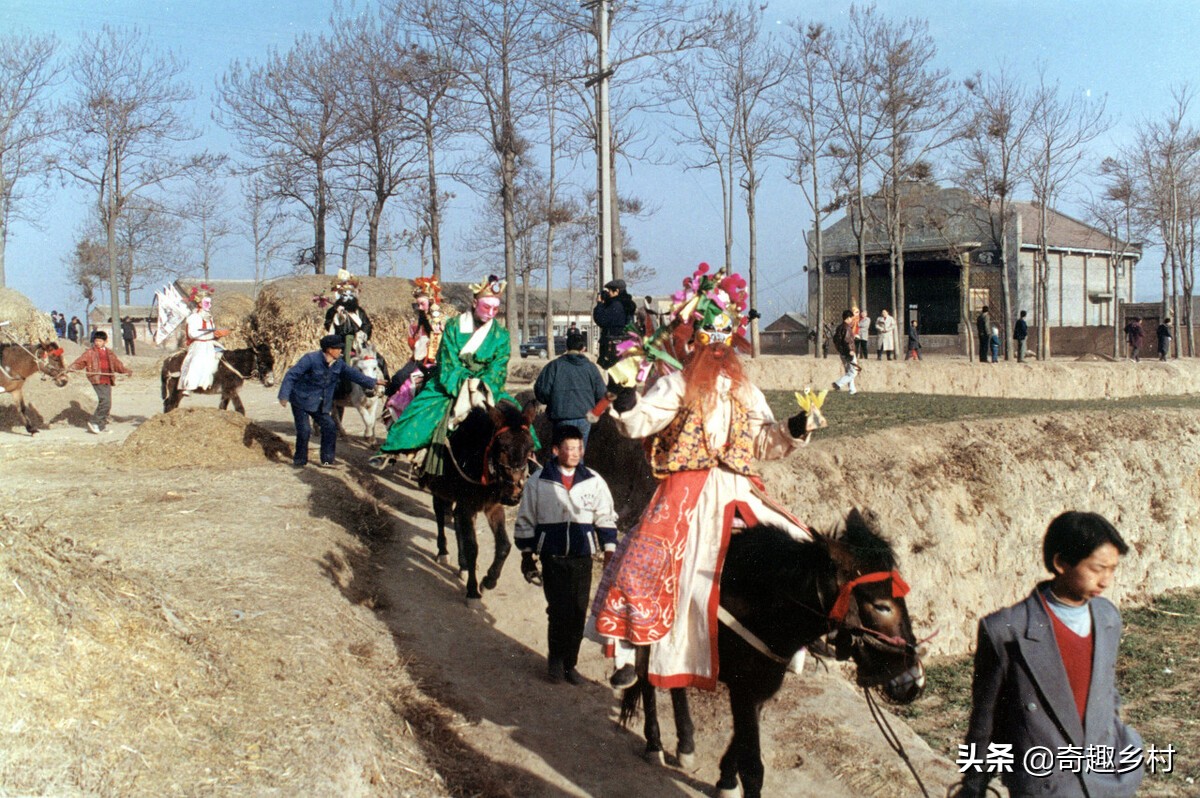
(172, 310)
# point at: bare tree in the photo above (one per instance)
(28, 71)
(1116, 212)
(855, 67)
(263, 225)
(807, 100)
(204, 210)
(993, 164)
(122, 127)
(1062, 128)
(87, 267)
(286, 116)
(920, 110)
(382, 109)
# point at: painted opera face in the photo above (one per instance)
(486, 308)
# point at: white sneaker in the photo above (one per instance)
(92, 428)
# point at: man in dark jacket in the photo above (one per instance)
(309, 386)
(1164, 339)
(1021, 336)
(570, 386)
(128, 335)
(612, 314)
(1135, 336)
(983, 326)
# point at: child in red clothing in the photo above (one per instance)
(101, 364)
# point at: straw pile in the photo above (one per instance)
(291, 323)
(203, 437)
(233, 312)
(26, 323)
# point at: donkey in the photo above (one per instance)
(778, 595)
(235, 367)
(487, 464)
(351, 394)
(19, 362)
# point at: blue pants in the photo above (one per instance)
(328, 428)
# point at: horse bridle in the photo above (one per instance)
(487, 458)
(43, 360)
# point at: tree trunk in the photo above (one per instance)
(435, 211)
(618, 238)
(1006, 309)
(373, 236)
(319, 223)
(508, 180)
(755, 339)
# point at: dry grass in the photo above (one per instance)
(202, 436)
(27, 324)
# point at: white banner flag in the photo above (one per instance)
(172, 310)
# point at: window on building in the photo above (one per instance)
(980, 299)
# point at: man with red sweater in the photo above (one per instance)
(1045, 679)
(101, 365)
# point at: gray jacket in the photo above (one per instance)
(1021, 696)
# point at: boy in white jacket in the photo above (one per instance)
(566, 516)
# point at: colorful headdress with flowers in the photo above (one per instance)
(711, 307)
(344, 283)
(428, 287)
(492, 286)
(199, 292)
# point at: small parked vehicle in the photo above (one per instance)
(536, 346)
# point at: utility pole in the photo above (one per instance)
(600, 10)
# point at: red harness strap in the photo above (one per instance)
(842, 605)
(487, 453)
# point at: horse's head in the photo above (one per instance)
(264, 364)
(366, 360)
(50, 362)
(869, 616)
(510, 450)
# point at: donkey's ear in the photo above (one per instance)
(530, 411)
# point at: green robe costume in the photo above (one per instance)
(423, 422)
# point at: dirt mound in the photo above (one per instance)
(287, 318)
(26, 322)
(203, 436)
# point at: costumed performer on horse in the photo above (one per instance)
(472, 368)
(424, 340)
(707, 424)
(345, 318)
(203, 353)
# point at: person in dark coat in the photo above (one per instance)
(309, 386)
(612, 314)
(1135, 336)
(128, 335)
(914, 341)
(1021, 336)
(570, 386)
(1164, 339)
(983, 326)
(1045, 677)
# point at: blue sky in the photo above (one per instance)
(1133, 53)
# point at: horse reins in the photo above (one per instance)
(892, 739)
(43, 367)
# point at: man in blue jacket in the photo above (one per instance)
(566, 516)
(309, 386)
(570, 386)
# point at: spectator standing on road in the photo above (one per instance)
(101, 365)
(1021, 336)
(614, 310)
(1045, 673)
(566, 516)
(1164, 339)
(128, 335)
(862, 336)
(994, 344)
(570, 386)
(914, 341)
(75, 330)
(60, 323)
(885, 325)
(1135, 336)
(843, 342)
(983, 326)
(309, 386)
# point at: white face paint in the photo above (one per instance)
(206, 303)
(486, 308)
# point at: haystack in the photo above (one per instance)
(233, 312)
(290, 321)
(26, 323)
(203, 437)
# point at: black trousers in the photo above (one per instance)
(129, 346)
(567, 583)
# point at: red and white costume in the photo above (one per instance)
(662, 587)
(203, 356)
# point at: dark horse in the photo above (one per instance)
(785, 594)
(236, 366)
(19, 362)
(485, 471)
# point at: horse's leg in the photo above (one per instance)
(746, 742)
(230, 393)
(440, 506)
(495, 519)
(23, 409)
(685, 730)
(468, 547)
